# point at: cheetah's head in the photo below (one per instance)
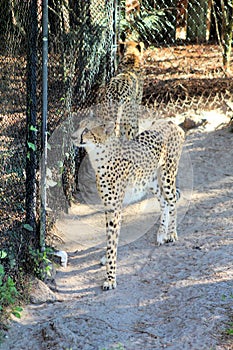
(131, 53)
(91, 132)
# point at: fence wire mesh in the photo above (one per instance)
(81, 57)
(13, 63)
(187, 43)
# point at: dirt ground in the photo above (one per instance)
(176, 296)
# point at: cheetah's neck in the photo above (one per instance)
(100, 152)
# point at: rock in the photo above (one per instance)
(63, 257)
(41, 293)
(190, 123)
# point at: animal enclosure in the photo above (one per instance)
(186, 66)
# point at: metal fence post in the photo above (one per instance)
(31, 139)
(116, 15)
(44, 124)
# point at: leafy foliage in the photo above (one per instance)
(8, 293)
(41, 262)
(145, 25)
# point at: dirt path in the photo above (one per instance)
(178, 296)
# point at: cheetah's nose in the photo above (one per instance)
(74, 139)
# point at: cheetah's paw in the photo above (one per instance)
(161, 239)
(108, 285)
(172, 237)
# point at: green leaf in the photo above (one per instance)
(229, 331)
(18, 308)
(49, 173)
(32, 146)
(51, 183)
(3, 254)
(49, 146)
(33, 128)
(28, 227)
(16, 314)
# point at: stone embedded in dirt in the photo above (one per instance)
(190, 123)
(41, 293)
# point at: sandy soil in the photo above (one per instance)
(177, 296)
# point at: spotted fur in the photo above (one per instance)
(123, 94)
(149, 162)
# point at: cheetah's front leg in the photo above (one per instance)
(113, 222)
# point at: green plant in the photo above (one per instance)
(117, 347)
(146, 25)
(8, 292)
(41, 262)
(120, 347)
(224, 296)
(229, 331)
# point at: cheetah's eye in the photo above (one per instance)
(85, 131)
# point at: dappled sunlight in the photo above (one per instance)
(177, 295)
(221, 274)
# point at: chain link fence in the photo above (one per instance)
(13, 73)
(81, 58)
(187, 65)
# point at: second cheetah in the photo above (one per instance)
(123, 94)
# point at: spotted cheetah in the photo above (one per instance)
(149, 162)
(123, 94)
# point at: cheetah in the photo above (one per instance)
(146, 163)
(123, 94)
